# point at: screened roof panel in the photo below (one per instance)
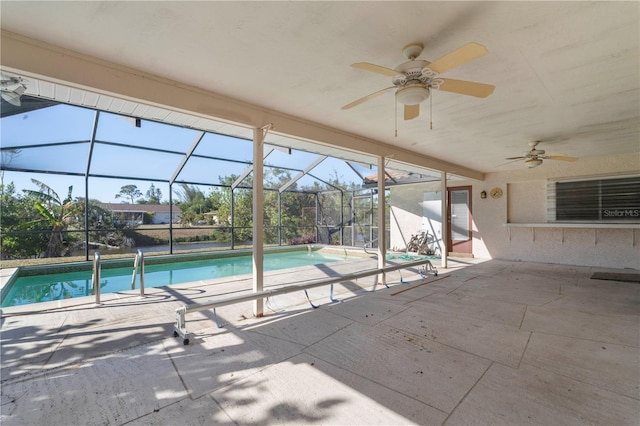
(155, 150)
(275, 177)
(71, 158)
(392, 164)
(210, 171)
(297, 159)
(121, 129)
(247, 179)
(59, 123)
(363, 169)
(220, 146)
(109, 160)
(331, 168)
(309, 183)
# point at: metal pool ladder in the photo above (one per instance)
(138, 262)
(95, 277)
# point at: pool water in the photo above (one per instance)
(58, 286)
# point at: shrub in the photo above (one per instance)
(147, 218)
(305, 239)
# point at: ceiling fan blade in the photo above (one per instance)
(411, 111)
(376, 68)
(509, 162)
(560, 157)
(515, 158)
(471, 88)
(366, 98)
(462, 55)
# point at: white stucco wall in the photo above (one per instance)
(160, 217)
(500, 228)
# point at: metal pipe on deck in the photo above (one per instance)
(180, 328)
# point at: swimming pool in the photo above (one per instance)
(46, 287)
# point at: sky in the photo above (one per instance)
(24, 139)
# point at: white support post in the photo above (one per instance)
(258, 219)
(382, 232)
(445, 219)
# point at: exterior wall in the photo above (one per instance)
(133, 214)
(502, 227)
(163, 218)
(406, 211)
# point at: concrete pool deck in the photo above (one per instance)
(486, 342)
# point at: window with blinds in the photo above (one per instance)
(614, 199)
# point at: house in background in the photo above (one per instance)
(133, 214)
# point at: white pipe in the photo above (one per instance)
(445, 220)
(195, 307)
(382, 241)
(180, 328)
(258, 219)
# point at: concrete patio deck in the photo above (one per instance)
(491, 343)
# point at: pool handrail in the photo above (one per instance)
(180, 326)
(95, 277)
(136, 259)
(138, 262)
(370, 244)
(140, 254)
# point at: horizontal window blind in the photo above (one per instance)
(615, 199)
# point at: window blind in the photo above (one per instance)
(615, 199)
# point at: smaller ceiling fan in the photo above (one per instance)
(12, 88)
(535, 156)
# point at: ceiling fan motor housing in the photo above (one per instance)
(412, 70)
(413, 85)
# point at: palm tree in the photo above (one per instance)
(55, 211)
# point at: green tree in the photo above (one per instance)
(18, 219)
(57, 212)
(129, 191)
(154, 195)
(191, 200)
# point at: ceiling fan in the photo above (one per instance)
(12, 88)
(534, 157)
(413, 80)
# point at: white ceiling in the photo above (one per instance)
(566, 73)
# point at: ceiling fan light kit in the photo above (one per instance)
(413, 94)
(533, 162)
